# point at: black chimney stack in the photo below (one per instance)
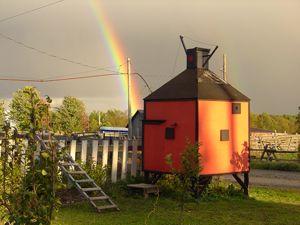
(196, 57)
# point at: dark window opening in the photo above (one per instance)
(170, 133)
(236, 108)
(224, 135)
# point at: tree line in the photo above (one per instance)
(70, 117)
(280, 123)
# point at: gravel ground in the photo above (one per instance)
(272, 178)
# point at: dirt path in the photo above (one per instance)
(272, 178)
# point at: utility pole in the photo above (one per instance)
(129, 101)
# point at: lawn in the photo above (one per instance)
(265, 206)
(284, 166)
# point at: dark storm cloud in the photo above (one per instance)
(260, 38)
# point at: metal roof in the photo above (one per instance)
(197, 84)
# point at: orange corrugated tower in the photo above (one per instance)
(200, 107)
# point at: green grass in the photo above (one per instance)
(284, 166)
(265, 206)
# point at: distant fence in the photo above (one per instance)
(275, 146)
(121, 156)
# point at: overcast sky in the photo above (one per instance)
(260, 37)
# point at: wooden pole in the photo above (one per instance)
(124, 160)
(114, 169)
(83, 151)
(134, 158)
(73, 149)
(105, 153)
(95, 151)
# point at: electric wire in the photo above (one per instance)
(20, 43)
(202, 42)
(175, 62)
(30, 11)
(73, 78)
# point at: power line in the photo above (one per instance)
(175, 62)
(30, 11)
(201, 42)
(22, 44)
(57, 79)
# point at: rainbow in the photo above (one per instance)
(116, 52)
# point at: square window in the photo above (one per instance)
(236, 108)
(170, 133)
(224, 135)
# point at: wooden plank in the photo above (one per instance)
(105, 153)
(95, 151)
(73, 149)
(83, 151)
(114, 168)
(124, 160)
(134, 158)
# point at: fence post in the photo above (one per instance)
(105, 153)
(0, 147)
(114, 169)
(83, 151)
(124, 160)
(134, 158)
(73, 149)
(95, 151)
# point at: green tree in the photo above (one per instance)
(2, 113)
(114, 118)
(71, 116)
(25, 103)
(280, 123)
(94, 121)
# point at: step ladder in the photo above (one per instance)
(83, 182)
(86, 185)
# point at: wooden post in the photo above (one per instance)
(105, 153)
(114, 169)
(73, 149)
(0, 147)
(95, 151)
(134, 158)
(124, 160)
(83, 151)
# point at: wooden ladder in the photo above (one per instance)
(83, 182)
(86, 185)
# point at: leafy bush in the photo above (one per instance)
(221, 190)
(98, 173)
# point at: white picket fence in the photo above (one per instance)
(112, 153)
